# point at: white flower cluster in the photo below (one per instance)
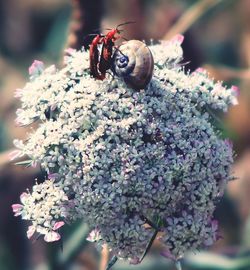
(130, 163)
(46, 207)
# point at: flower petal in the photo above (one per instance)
(58, 225)
(36, 68)
(23, 197)
(178, 38)
(135, 261)
(31, 230)
(17, 209)
(52, 236)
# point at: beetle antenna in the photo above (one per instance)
(85, 38)
(125, 23)
(90, 35)
(124, 38)
(97, 29)
(117, 49)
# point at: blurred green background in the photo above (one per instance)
(217, 37)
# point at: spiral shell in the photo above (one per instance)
(133, 61)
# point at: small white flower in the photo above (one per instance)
(31, 231)
(52, 236)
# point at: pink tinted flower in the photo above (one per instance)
(58, 225)
(53, 176)
(214, 236)
(31, 231)
(214, 226)
(52, 236)
(69, 51)
(209, 241)
(33, 163)
(21, 121)
(200, 70)
(94, 236)
(17, 209)
(229, 143)
(135, 261)
(23, 197)
(178, 38)
(18, 93)
(236, 90)
(53, 107)
(221, 192)
(36, 68)
(51, 69)
(71, 204)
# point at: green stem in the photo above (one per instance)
(178, 265)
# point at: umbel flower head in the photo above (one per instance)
(130, 163)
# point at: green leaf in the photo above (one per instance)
(112, 262)
(73, 245)
(24, 162)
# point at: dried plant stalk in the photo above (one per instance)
(190, 17)
(86, 18)
(104, 258)
(227, 73)
(5, 159)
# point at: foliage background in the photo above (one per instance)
(218, 39)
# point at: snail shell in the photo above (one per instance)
(133, 61)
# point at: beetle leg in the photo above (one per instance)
(106, 56)
(94, 58)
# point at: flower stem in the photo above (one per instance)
(178, 265)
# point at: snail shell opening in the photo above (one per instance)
(133, 61)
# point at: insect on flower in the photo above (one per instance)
(99, 64)
(94, 57)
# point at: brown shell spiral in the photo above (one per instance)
(133, 61)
